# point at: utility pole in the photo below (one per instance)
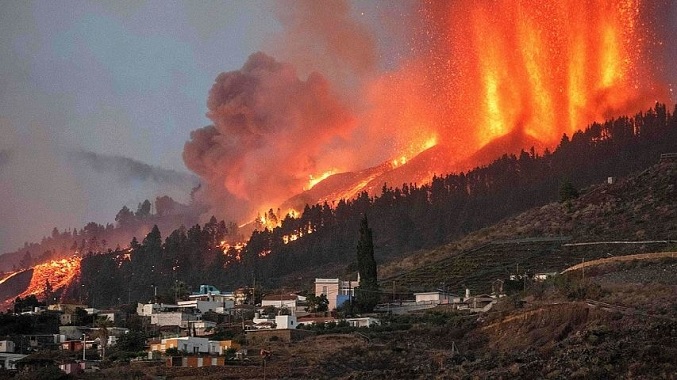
(393, 290)
(154, 292)
(583, 267)
(254, 293)
(350, 296)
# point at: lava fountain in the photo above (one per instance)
(539, 68)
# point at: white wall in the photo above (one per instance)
(6, 346)
(193, 344)
(289, 304)
(428, 297)
(171, 319)
(286, 322)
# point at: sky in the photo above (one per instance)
(98, 99)
(125, 80)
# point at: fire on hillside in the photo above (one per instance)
(478, 73)
(57, 273)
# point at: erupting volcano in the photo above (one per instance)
(478, 79)
(543, 68)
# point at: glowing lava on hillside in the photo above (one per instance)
(59, 274)
(476, 80)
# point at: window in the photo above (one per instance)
(324, 290)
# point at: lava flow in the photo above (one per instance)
(59, 273)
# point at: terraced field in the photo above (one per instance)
(477, 268)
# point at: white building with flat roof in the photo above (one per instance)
(287, 322)
(336, 291)
(175, 318)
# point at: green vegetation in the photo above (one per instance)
(567, 192)
(367, 295)
(317, 304)
(128, 346)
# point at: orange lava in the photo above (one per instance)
(543, 68)
(59, 273)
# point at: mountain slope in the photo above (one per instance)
(634, 215)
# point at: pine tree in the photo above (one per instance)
(567, 191)
(368, 293)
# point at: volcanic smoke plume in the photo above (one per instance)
(491, 77)
(271, 131)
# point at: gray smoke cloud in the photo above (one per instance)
(324, 36)
(270, 133)
(126, 169)
(46, 185)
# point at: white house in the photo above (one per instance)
(190, 344)
(286, 322)
(146, 309)
(194, 345)
(111, 315)
(8, 360)
(479, 303)
(201, 328)
(7, 355)
(544, 276)
(6, 346)
(288, 301)
(65, 319)
(176, 318)
(436, 298)
(363, 322)
(335, 290)
(206, 306)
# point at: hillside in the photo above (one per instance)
(412, 223)
(636, 214)
(613, 320)
(412, 217)
(601, 327)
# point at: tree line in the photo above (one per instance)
(403, 218)
(94, 237)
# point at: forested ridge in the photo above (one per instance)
(403, 218)
(411, 217)
(94, 237)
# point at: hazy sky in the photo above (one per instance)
(98, 98)
(118, 78)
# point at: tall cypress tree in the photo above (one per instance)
(367, 294)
